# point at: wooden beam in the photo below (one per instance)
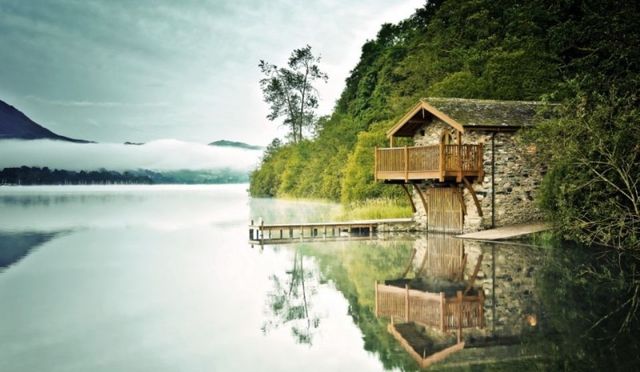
(409, 264)
(462, 267)
(473, 195)
(474, 275)
(461, 199)
(424, 201)
(406, 191)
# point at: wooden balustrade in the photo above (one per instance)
(430, 309)
(428, 162)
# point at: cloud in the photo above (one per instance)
(160, 155)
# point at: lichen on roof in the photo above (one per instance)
(477, 112)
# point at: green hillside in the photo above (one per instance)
(583, 54)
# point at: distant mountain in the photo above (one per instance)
(242, 145)
(16, 125)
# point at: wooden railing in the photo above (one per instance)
(430, 309)
(428, 162)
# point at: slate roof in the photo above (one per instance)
(469, 113)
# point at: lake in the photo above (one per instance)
(162, 278)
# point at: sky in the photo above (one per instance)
(143, 70)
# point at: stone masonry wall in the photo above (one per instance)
(517, 177)
(507, 276)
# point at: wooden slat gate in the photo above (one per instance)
(445, 210)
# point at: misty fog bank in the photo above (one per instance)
(160, 155)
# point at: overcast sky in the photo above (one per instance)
(139, 70)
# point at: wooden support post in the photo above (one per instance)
(391, 141)
(462, 267)
(473, 195)
(474, 275)
(461, 199)
(406, 302)
(376, 301)
(424, 202)
(280, 233)
(413, 206)
(441, 165)
(409, 264)
(443, 307)
(406, 164)
(261, 231)
(324, 233)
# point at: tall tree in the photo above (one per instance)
(290, 91)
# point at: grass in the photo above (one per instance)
(374, 209)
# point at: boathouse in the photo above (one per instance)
(463, 163)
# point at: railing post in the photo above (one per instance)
(406, 163)
(480, 161)
(442, 162)
(481, 305)
(459, 295)
(376, 302)
(406, 302)
(443, 307)
(459, 176)
(375, 165)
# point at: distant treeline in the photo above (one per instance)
(45, 176)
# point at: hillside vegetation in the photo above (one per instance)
(583, 54)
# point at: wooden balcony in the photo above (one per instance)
(436, 162)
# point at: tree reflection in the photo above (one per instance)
(289, 302)
(592, 298)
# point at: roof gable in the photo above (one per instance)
(467, 113)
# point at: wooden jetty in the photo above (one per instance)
(261, 233)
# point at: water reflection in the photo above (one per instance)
(489, 293)
(16, 246)
(290, 301)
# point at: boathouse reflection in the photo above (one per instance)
(456, 294)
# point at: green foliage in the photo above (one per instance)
(582, 54)
(592, 189)
(591, 299)
(373, 209)
(446, 48)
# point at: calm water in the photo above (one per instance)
(160, 278)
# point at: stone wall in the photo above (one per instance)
(517, 170)
(507, 277)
